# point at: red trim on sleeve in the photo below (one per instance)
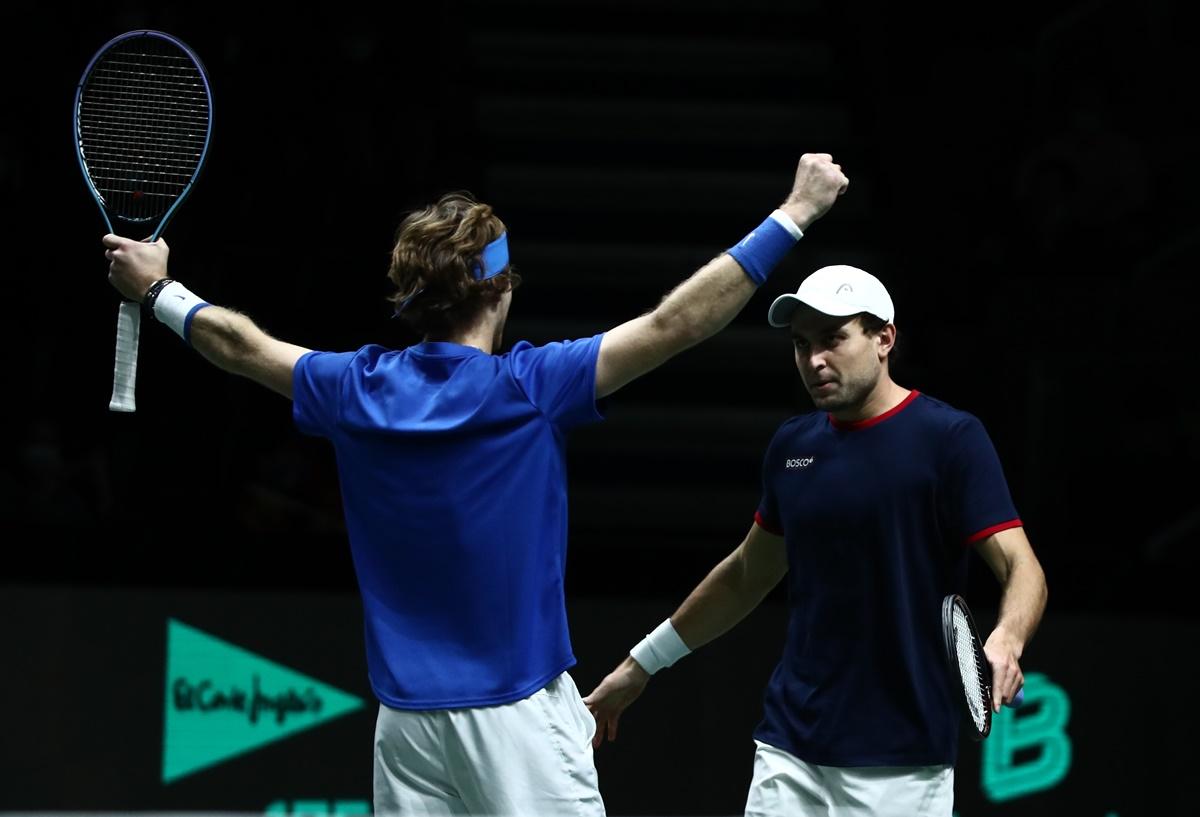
(986, 532)
(854, 425)
(762, 523)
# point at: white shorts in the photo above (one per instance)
(531, 758)
(784, 784)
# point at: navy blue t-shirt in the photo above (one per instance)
(453, 478)
(877, 516)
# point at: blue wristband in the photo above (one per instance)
(187, 322)
(761, 250)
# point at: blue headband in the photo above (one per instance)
(494, 258)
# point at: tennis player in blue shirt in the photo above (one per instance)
(870, 507)
(450, 458)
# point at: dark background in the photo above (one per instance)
(1022, 179)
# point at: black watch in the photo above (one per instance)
(152, 293)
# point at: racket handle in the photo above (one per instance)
(1018, 699)
(129, 323)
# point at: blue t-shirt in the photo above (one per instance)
(453, 478)
(876, 516)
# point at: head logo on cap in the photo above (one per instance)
(839, 290)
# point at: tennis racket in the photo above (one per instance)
(143, 120)
(969, 667)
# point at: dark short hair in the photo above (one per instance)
(873, 325)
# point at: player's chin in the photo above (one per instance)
(826, 399)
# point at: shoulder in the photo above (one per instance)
(318, 361)
(518, 350)
(371, 351)
(357, 369)
(956, 435)
(943, 416)
(799, 426)
(567, 353)
(524, 347)
(370, 354)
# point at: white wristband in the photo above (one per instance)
(660, 649)
(785, 221)
(175, 306)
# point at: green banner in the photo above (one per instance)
(223, 701)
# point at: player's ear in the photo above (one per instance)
(887, 338)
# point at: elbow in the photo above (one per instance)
(239, 362)
(1038, 575)
(676, 328)
(738, 576)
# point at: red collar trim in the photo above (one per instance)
(855, 425)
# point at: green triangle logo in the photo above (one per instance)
(223, 701)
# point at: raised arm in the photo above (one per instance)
(707, 301)
(1022, 602)
(226, 338)
(725, 596)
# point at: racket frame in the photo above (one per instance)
(129, 314)
(949, 604)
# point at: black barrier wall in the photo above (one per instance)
(259, 703)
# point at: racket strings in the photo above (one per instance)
(971, 666)
(143, 127)
(120, 116)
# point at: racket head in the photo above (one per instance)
(970, 672)
(142, 127)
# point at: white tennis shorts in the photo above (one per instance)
(783, 784)
(531, 758)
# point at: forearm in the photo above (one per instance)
(720, 601)
(226, 338)
(1022, 601)
(728, 593)
(703, 304)
(707, 301)
(710, 298)
(731, 590)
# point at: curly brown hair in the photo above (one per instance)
(436, 249)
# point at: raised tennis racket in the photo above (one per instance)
(969, 667)
(143, 119)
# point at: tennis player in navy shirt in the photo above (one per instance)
(870, 507)
(451, 461)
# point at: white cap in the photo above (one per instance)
(837, 290)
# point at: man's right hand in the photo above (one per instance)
(135, 265)
(816, 187)
(618, 690)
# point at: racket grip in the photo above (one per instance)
(1018, 699)
(129, 323)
